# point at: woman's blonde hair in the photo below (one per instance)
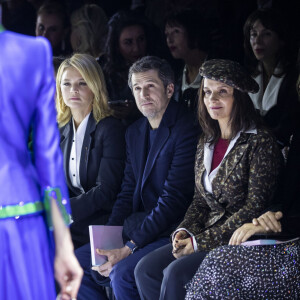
(92, 74)
(90, 24)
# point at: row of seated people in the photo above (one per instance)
(232, 180)
(269, 45)
(270, 55)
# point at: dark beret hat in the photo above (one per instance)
(230, 73)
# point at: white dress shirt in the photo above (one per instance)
(265, 100)
(75, 154)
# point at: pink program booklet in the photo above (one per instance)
(106, 238)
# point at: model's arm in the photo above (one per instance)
(68, 272)
(49, 166)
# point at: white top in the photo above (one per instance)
(264, 101)
(195, 84)
(207, 160)
(75, 153)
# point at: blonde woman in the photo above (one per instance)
(92, 142)
(88, 30)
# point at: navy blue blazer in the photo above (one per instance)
(101, 172)
(160, 183)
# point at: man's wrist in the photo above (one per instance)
(132, 246)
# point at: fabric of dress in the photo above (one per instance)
(243, 272)
(27, 105)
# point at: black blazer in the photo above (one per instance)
(160, 182)
(283, 117)
(101, 172)
(291, 195)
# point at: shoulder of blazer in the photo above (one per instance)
(287, 91)
(109, 124)
(173, 111)
(263, 135)
(65, 130)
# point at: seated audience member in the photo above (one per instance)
(88, 30)
(188, 39)
(92, 142)
(129, 39)
(261, 271)
(236, 171)
(158, 181)
(53, 23)
(57, 60)
(18, 16)
(270, 57)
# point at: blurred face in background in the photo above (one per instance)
(132, 43)
(177, 41)
(265, 43)
(51, 27)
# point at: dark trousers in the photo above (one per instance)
(159, 275)
(121, 276)
(89, 289)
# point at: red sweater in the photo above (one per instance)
(219, 152)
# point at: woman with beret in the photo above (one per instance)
(259, 271)
(236, 171)
(92, 142)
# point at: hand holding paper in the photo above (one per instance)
(113, 257)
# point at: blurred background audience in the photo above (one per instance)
(88, 30)
(53, 23)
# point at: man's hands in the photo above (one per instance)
(113, 257)
(268, 222)
(182, 244)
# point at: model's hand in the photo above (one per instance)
(68, 272)
(182, 247)
(243, 233)
(269, 221)
(113, 257)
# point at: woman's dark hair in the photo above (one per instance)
(243, 116)
(272, 20)
(197, 32)
(120, 20)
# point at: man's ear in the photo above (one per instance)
(170, 90)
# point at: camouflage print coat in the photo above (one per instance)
(242, 188)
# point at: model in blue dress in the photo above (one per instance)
(31, 187)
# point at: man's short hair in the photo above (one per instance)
(147, 63)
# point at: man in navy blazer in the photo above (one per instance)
(158, 182)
